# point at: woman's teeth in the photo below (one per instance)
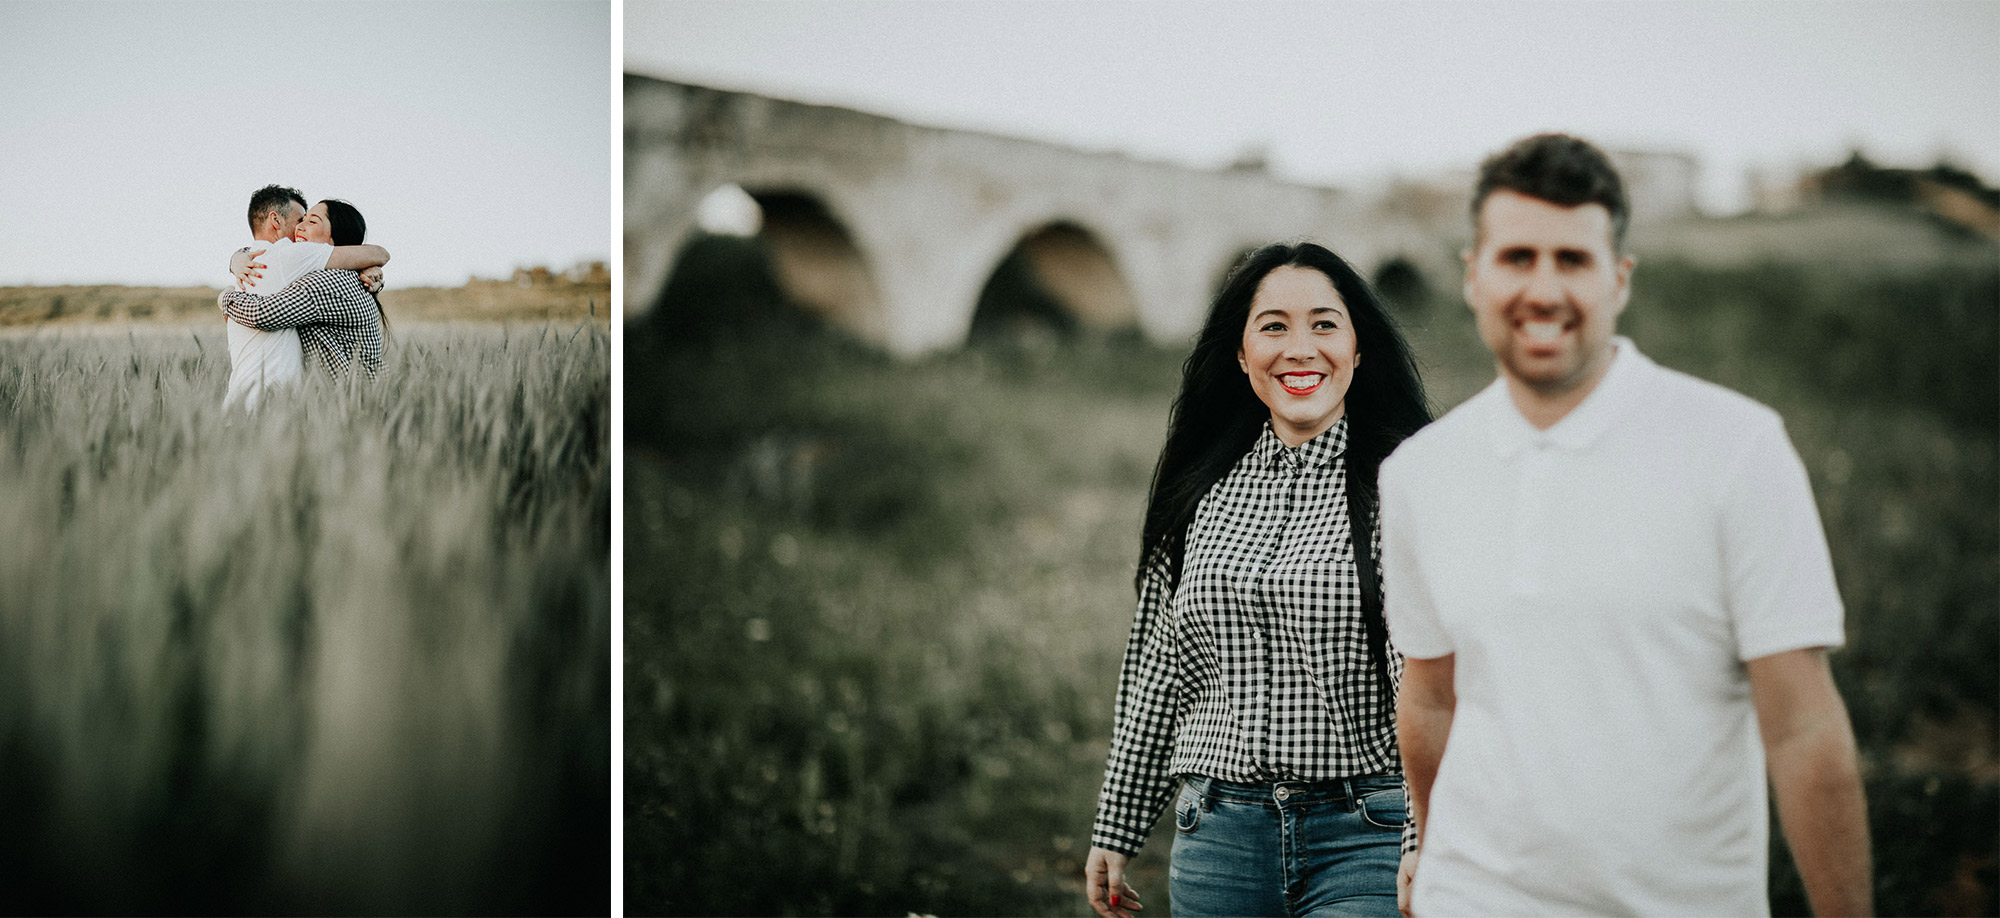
(1543, 331)
(1300, 382)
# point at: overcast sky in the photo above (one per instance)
(474, 138)
(1353, 93)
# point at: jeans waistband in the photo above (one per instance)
(1335, 790)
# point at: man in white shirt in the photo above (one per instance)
(1615, 599)
(266, 359)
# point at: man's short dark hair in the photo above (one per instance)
(270, 198)
(1562, 170)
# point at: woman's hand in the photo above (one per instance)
(1104, 883)
(372, 279)
(1406, 874)
(245, 266)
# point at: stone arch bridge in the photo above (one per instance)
(894, 230)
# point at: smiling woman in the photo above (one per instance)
(1258, 591)
(1298, 351)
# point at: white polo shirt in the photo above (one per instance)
(1601, 584)
(260, 360)
(286, 261)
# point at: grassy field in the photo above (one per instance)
(557, 300)
(346, 655)
(874, 609)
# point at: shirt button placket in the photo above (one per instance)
(1258, 725)
(1530, 519)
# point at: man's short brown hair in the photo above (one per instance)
(270, 198)
(1562, 170)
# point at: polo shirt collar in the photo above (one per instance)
(1586, 422)
(1318, 452)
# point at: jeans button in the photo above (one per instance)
(1283, 793)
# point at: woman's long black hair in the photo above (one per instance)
(345, 225)
(1217, 417)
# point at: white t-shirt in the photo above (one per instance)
(1601, 584)
(267, 359)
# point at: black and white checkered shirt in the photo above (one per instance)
(1255, 668)
(337, 318)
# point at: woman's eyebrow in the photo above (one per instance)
(1316, 310)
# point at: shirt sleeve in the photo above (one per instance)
(307, 257)
(1395, 685)
(318, 298)
(1407, 606)
(286, 263)
(1137, 786)
(1409, 818)
(1396, 690)
(1779, 574)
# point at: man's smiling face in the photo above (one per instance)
(1546, 287)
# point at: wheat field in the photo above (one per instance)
(349, 654)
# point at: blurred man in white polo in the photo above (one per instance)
(1615, 599)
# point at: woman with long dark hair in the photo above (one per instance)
(336, 222)
(1258, 675)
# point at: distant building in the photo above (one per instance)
(592, 273)
(583, 273)
(1440, 202)
(1658, 186)
(1772, 193)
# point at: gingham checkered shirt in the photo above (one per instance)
(337, 318)
(1255, 668)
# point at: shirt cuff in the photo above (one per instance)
(1112, 838)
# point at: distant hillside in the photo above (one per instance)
(526, 298)
(1855, 233)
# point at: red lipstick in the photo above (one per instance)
(1319, 379)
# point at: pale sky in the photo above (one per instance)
(1354, 93)
(473, 137)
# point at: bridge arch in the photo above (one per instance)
(1403, 283)
(818, 262)
(773, 248)
(891, 230)
(1059, 277)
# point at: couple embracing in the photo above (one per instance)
(304, 294)
(1540, 656)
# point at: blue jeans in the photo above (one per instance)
(1290, 849)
